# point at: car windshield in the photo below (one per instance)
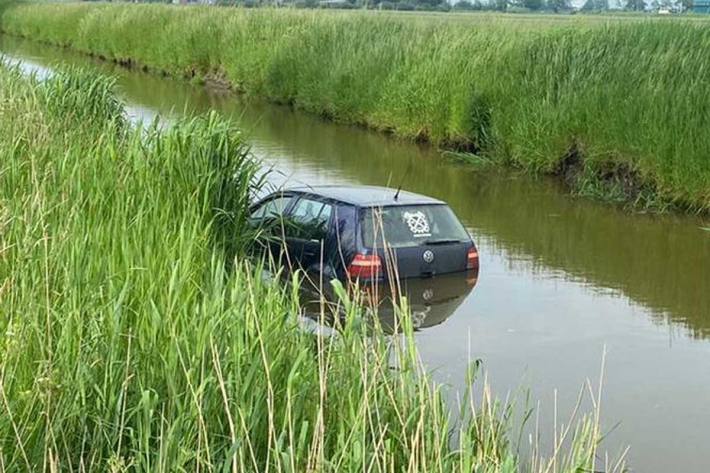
(410, 226)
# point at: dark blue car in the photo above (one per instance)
(364, 233)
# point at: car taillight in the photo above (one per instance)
(472, 259)
(364, 267)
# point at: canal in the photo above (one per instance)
(563, 280)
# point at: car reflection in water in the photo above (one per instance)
(431, 301)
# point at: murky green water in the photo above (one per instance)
(562, 279)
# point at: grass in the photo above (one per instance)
(137, 337)
(522, 90)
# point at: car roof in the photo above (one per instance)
(366, 196)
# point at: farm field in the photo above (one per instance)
(610, 104)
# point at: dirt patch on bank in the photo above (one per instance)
(608, 180)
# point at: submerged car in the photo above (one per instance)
(364, 233)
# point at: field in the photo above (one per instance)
(613, 105)
(136, 336)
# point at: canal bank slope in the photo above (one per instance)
(613, 107)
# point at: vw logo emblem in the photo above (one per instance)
(428, 294)
(428, 256)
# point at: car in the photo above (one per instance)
(363, 234)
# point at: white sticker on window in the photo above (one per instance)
(417, 223)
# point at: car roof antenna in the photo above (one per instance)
(401, 183)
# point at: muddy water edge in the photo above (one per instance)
(562, 281)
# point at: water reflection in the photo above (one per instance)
(430, 301)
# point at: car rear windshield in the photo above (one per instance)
(410, 225)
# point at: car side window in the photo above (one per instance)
(271, 208)
(309, 219)
(269, 216)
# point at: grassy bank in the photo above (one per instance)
(613, 106)
(126, 344)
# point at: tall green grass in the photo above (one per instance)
(625, 95)
(128, 344)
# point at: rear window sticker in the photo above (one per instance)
(417, 223)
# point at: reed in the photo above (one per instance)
(622, 94)
(128, 344)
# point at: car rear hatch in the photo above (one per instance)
(417, 240)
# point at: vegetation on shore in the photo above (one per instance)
(611, 105)
(127, 343)
(614, 103)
